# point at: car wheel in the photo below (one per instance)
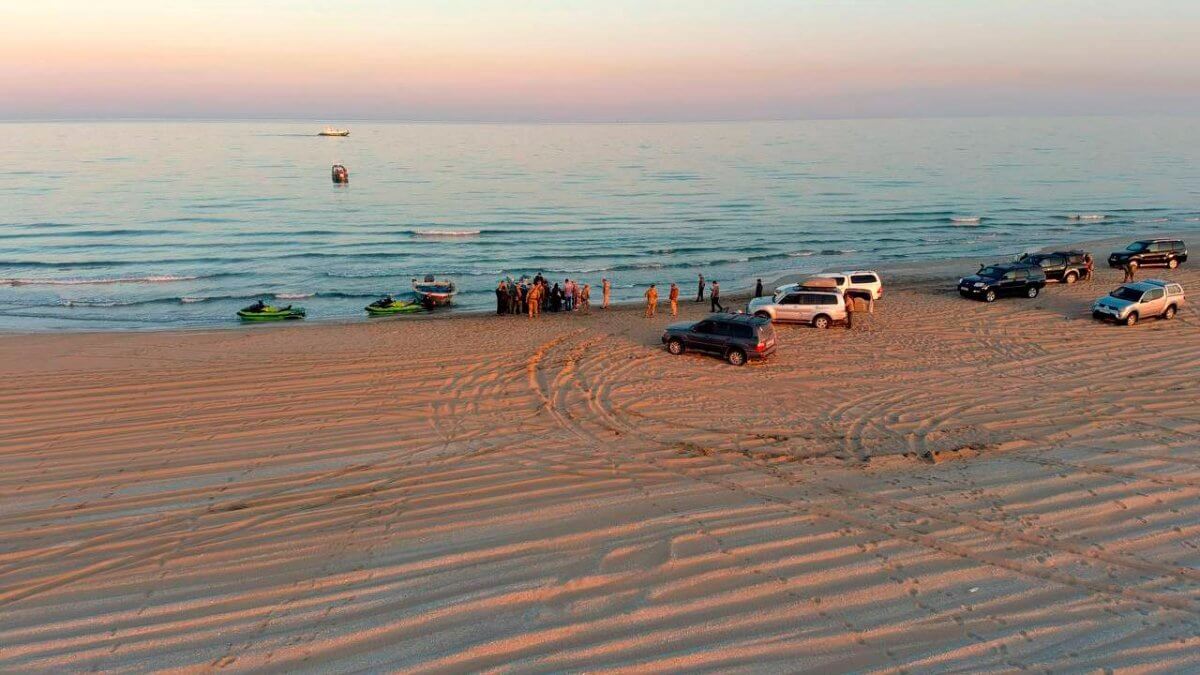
(736, 357)
(763, 315)
(990, 296)
(1172, 263)
(821, 321)
(675, 346)
(1071, 277)
(1170, 313)
(1132, 319)
(1032, 291)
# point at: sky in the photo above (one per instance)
(596, 60)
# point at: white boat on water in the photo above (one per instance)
(330, 131)
(434, 292)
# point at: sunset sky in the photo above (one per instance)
(585, 60)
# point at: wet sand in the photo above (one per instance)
(950, 486)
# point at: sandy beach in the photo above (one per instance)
(951, 486)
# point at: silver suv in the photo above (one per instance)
(802, 305)
(1140, 300)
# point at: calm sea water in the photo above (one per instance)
(166, 224)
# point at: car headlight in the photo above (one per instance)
(979, 284)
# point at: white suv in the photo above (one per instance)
(819, 307)
(862, 283)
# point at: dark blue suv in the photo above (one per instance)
(734, 337)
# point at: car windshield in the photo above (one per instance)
(990, 272)
(1126, 293)
(1136, 246)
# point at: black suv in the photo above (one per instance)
(1065, 266)
(1147, 252)
(994, 281)
(735, 337)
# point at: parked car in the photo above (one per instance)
(865, 283)
(995, 281)
(820, 307)
(1132, 302)
(734, 337)
(1151, 252)
(1065, 266)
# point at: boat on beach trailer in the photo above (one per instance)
(434, 292)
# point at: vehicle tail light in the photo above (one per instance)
(760, 346)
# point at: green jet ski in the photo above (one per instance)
(261, 311)
(387, 305)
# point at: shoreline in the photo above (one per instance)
(917, 273)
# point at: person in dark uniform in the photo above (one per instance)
(700, 290)
(556, 299)
(514, 301)
(715, 296)
(758, 289)
(501, 298)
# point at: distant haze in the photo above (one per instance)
(593, 60)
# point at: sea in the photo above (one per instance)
(168, 224)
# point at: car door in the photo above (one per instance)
(704, 337)
(1158, 252)
(1008, 283)
(788, 309)
(805, 306)
(1053, 267)
(1152, 303)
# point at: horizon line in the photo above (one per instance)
(614, 121)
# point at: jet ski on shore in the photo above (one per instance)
(260, 311)
(387, 305)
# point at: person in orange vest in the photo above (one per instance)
(673, 296)
(651, 300)
(534, 300)
(607, 289)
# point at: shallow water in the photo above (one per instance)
(161, 224)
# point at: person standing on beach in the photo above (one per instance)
(849, 312)
(606, 288)
(1130, 267)
(758, 289)
(568, 295)
(651, 300)
(715, 296)
(585, 299)
(501, 298)
(556, 299)
(700, 290)
(673, 296)
(535, 300)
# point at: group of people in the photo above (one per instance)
(714, 296)
(533, 296)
